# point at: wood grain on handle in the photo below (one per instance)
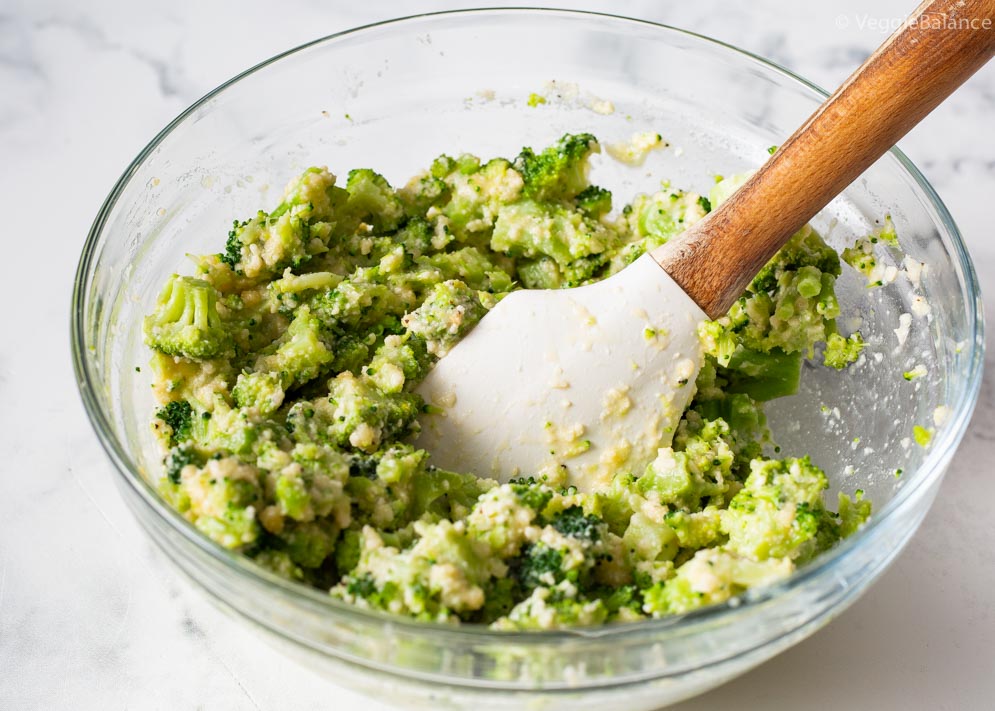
(943, 43)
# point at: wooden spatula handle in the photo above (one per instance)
(943, 43)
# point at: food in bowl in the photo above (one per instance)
(285, 369)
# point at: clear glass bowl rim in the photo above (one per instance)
(933, 466)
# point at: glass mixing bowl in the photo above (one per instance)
(392, 97)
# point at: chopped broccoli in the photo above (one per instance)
(594, 201)
(449, 311)
(186, 321)
(841, 352)
(297, 357)
(560, 171)
(180, 456)
(575, 523)
(178, 416)
(533, 494)
(355, 414)
(537, 565)
(288, 378)
(262, 391)
(371, 198)
(777, 513)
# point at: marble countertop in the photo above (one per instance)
(91, 617)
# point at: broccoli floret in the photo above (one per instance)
(399, 361)
(186, 321)
(552, 608)
(266, 244)
(777, 514)
(701, 468)
(841, 352)
(261, 391)
(852, 513)
(538, 565)
(297, 357)
(711, 576)
(475, 195)
(449, 311)
(471, 266)
(574, 522)
(178, 416)
(362, 302)
(560, 171)
(233, 246)
(355, 414)
(532, 229)
(296, 230)
(594, 201)
(647, 539)
(445, 494)
(422, 193)
(372, 199)
(179, 457)
(805, 249)
(436, 577)
(279, 562)
(500, 519)
(533, 494)
(499, 599)
(223, 496)
(309, 544)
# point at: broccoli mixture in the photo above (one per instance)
(286, 367)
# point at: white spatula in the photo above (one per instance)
(595, 379)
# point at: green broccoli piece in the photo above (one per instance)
(701, 468)
(449, 311)
(223, 496)
(841, 352)
(764, 376)
(711, 576)
(594, 201)
(297, 357)
(852, 513)
(356, 414)
(553, 608)
(499, 599)
(538, 565)
(178, 416)
(179, 457)
(297, 229)
(531, 229)
(372, 199)
(560, 171)
(233, 245)
(309, 544)
(261, 391)
(400, 360)
(265, 245)
(186, 321)
(805, 249)
(575, 523)
(471, 266)
(778, 512)
(533, 494)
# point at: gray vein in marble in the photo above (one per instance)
(171, 81)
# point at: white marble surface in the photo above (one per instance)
(90, 618)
